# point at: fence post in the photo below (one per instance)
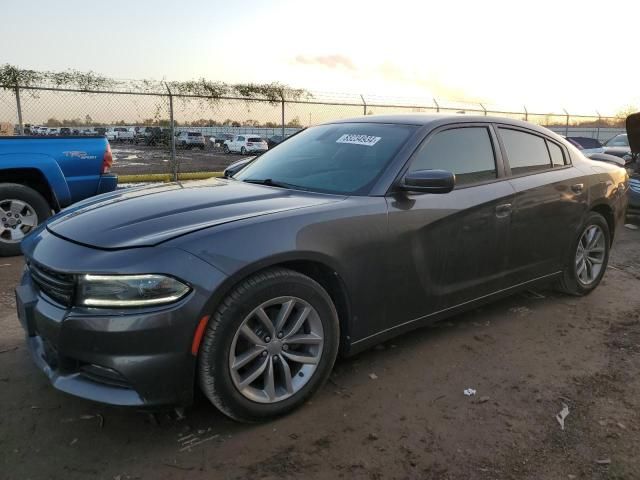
(526, 113)
(364, 103)
(172, 141)
(282, 112)
(598, 126)
(566, 126)
(484, 109)
(437, 105)
(19, 107)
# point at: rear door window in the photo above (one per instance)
(557, 155)
(255, 139)
(467, 152)
(527, 153)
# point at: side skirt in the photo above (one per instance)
(367, 342)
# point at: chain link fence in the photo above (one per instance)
(146, 128)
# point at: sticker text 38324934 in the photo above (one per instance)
(358, 139)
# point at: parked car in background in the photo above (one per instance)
(100, 131)
(65, 131)
(111, 134)
(190, 140)
(618, 146)
(158, 136)
(142, 134)
(344, 236)
(586, 145)
(51, 132)
(274, 140)
(41, 175)
(124, 134)
(245, 144)
(87, 132)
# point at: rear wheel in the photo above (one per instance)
(269, 346)
(226, 150)
(589, 257)
(243, 151)
(21, 210)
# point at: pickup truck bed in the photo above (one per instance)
(42, 175)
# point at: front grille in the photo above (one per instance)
(58, 286)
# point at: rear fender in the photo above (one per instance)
(44, 164)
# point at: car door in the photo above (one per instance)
(239, 143)
(550, 202)
(448, 249)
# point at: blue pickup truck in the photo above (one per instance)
(39, 176)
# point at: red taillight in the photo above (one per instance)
(107, 160)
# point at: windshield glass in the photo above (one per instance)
(618, 141)
(343, 158)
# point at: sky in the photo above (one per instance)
(545, 55)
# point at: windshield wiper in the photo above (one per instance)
(269, 182)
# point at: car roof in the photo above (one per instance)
(436, 119)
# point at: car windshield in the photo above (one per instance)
(254, 139)
(618, 141)
(345, 158)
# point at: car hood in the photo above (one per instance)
(138, 217)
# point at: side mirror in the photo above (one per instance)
(428, 181)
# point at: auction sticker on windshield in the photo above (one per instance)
(356, 139)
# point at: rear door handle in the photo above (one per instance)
(577, 188)
(503, 210)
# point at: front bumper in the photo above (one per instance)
(135, 357)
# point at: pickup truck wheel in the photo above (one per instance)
(21, 210)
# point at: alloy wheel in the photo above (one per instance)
(17, 219)
(276, 349)
(590, 254)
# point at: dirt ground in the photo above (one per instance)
(397, 411)
(130, 159)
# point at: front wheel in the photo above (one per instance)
(226, 149)
(243, 151)
(21, 210)
(269, 346)
(588, 258)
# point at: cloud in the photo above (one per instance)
(329, 61)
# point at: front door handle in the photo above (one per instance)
(503, 210)
(577, 188)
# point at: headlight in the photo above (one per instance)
(128, 290)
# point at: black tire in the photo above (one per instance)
(569, 283)
(243, 151)
(213, 361)
(226, 150)
(36, 202)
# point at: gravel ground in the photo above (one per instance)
(397, 411)
(132, 159)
